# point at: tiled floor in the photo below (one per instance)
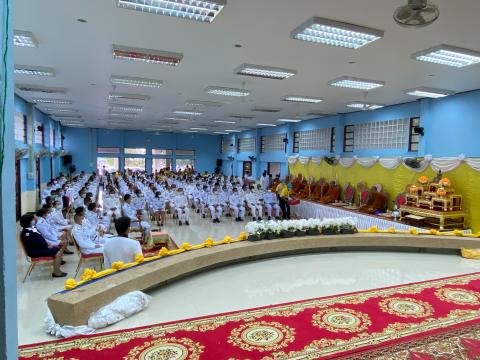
(245, 285)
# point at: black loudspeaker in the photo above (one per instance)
(67, 160)
(219, 162)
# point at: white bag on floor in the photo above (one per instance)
(121, 308)
(59, 331)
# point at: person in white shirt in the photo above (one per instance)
(157, 207)
(57, 219)
(236, 203)
(255, 203)
(203, 200)
(51, 235)
(271, 203)
(136, 216)
(181, 207)
(214, 205)
(121, 248)
(111, 204)
(265, 181)
(140, 202)
(79, 201)
(99, 223)
(87, 242)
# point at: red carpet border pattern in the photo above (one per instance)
(431, 320)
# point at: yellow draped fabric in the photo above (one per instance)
(465, 181)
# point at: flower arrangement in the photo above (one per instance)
(441, 191)
(445, 182)
(423, 180)
(287, 228)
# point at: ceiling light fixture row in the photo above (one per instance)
(34, 70)
(356, 83)
(125, 107)
(135, 81)
(199, 10)
(364, 105)
(428, 92)
(24, 38)
(266, 72)
(225, 91)
(52, 101)
(303, 99)
(146, 55)
(114, 96)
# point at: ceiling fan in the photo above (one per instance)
(416, 14)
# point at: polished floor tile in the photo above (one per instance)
(245, 285)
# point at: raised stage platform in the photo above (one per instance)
(75, 306)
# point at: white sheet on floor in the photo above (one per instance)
(60, 331)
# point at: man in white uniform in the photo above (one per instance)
(271, 203)
(136, 217)
(236, 202)
(181, 207)
(121, 248)
(87, 242)
(215, 206)
(254, 202)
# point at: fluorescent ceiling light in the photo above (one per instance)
(266, 72)
(176, 119)
(135, 81)
(113, 112)
(272, 125)
(232, 131)
(216, 90)
(41, 89)
(364, 105)
(199, 10)
(78, 121)
(303, 99)
(121, 96)
(190, 131)
(449, 55)
(266, 109)
(33, 70)
(289, 120)
(187, 112)
(356, 83)
(125, 107)
(330, 32)
(225, 122)
(317, 113)
(62, 110)
(24, 38)
(73, 125)
(146, 55)
(203, 103)
(52, 101)
(240, 116)
(199, 129)
(429, 92)
(68, 116)
(220, 133)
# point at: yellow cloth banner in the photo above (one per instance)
(465, 181)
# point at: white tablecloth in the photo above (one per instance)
(308, 209)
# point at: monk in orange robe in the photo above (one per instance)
(332, 194)
(319, 190)
(296, 185)
(307, 188)
(275, 183)
(377, 201)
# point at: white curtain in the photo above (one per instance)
(390, 163)
(447, 163)
(367, 162)
(346, 162)
(316, 159)
(474, 163)
(304, 159)
(292, 159)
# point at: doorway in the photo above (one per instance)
(51, 168)
(247, 168)
(273, 168)
(39, 184)
(18, 189)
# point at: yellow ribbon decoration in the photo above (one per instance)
(70, 284)
(88, 274)
(139, 258)
(118, 265)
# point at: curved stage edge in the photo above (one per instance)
(75, 306)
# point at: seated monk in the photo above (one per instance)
(275, 183)
(306, 190)
(377, 202)
(332, 194)
(319, 190)
(297, 185)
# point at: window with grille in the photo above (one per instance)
(227, 145)
(139, 151)
(274, 142)
(20, 127)
(262, 144)
(185, 152)
(296, 141)
(39, 134)
(246, 145)
(51, 135)
(161, 152)
(54, 138)
(318, 139)
(348, 138)
(108, 150)
(414, 138)
(332, 140)
(391, 134)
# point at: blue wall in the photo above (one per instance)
(82, 144)
(28, 173)
(452, 127)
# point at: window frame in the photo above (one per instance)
(414, 122)
(348, 130)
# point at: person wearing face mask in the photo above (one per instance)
(79, 201)
(57, 218)
(214, 205)
(89, 243)
(37, 247)
(53, 237)
(181, 207)
(136, 216)
(254, 204)
(98, 222)
(157, 207)
(236, 203)
(271, 203)
(111, 203)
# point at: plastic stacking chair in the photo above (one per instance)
(83, 258)
(34, 262)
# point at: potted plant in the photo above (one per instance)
(313, 227)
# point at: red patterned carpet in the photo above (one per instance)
(432, 320)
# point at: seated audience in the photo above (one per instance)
(53, 237)
(87, 242)
(121, 248)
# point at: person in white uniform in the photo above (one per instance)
(87, 242)
(181, 207)
(52, 236)
(121, 248)
(157, 207)
(135, 216)
(57, 219)
(111, 204)
(236, 203)
(271, 203)
(255, 203)
(214, 205)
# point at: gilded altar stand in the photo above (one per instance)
(442, 219)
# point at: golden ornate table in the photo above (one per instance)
(442, 216)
